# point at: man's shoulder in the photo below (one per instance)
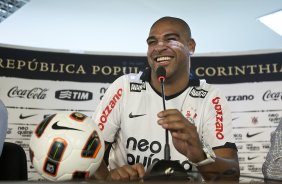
(205, 85)
(210, 89)
(131, 77)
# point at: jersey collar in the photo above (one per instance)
(146, 77)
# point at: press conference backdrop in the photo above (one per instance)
(35, 84)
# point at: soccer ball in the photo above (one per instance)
(66, 146)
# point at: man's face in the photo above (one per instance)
(168, 46)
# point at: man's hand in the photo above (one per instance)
(184, 134)
(127, 173)
(186, 140)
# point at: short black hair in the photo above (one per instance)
(175, 19)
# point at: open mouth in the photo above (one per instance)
(163, 59)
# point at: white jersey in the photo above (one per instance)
(127, 117)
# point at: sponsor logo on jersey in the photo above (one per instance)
(198, 93)
(137, 87)
(73, 95)
(34, 93)
(108, 109)
(191, 114)
(269, 95)
(240, 98)
(219, 118)
(135, 115)
(102, 92)
(145, 152)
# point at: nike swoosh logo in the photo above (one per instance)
(55, 126)
(252, 135)
(233, 119)
(251, 158)
(24, 117)
(136, 115)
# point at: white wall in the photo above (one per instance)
(122, 25)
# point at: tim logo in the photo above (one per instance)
(73, 95)
(196, 93)
(137, 87)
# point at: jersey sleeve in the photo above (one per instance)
(108, 112)
(217, 127)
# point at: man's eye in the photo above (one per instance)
(150, 42)
(172, 38)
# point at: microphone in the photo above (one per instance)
(161, 74)
(165, 169)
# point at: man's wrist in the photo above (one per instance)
(209, 157)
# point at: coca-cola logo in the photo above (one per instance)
(34, 93)
(269, 95)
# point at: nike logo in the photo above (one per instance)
(28, 116)
(252, 135)
(251, 158)
(55, 126)
(233, 119)
(135, 115)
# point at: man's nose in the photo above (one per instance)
(160, 46)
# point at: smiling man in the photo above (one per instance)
(197, 116)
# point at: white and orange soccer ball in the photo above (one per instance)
(66, 146)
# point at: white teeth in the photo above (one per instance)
(165, 58)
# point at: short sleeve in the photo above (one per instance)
(108, 112)
(217, 122)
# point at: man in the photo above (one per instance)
(131, 114)
(272, 166)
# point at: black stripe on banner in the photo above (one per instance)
(66, 66)
(238, 69)
(101, 68)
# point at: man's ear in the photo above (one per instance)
(191, 46)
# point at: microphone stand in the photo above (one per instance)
(167, 148)
(166, 169)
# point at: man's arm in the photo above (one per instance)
(124, 173)
(102, 172)
(225, 167)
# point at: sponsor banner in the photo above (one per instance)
(263, 119)
(256, 112)
(35, 84)
(245, 147)
(100, 68)
(239, 69)
(52, 95)
(246, 135)
(251, 158)
(66, 66)
(253, 97)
